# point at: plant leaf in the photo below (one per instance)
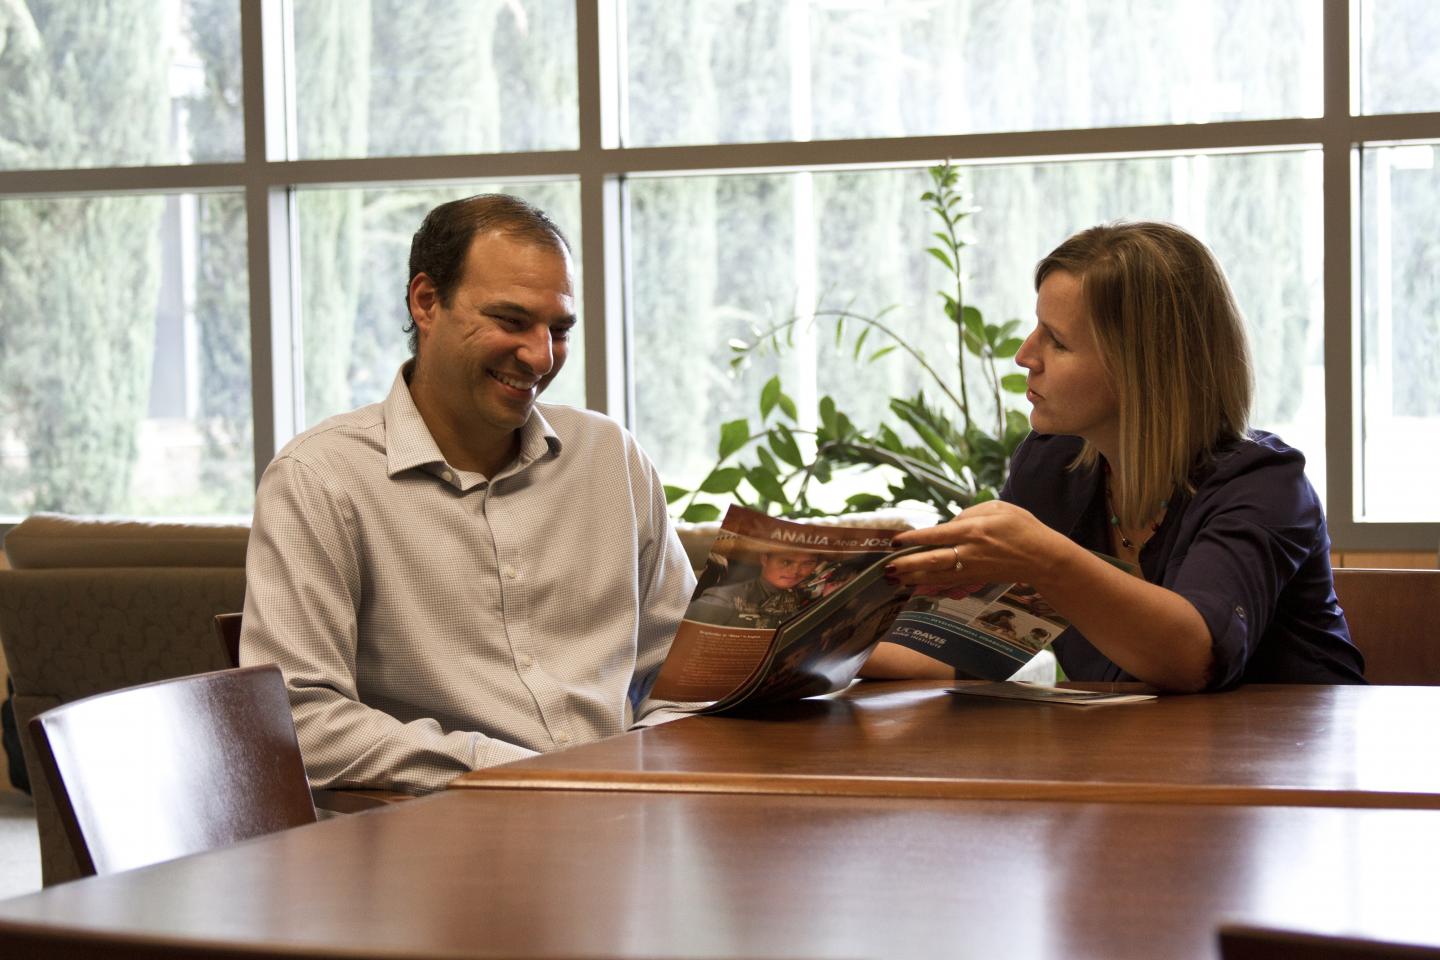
(782, 441)
(1008, 348)
(865, 501)
(942, 256)
(769, 396)
(723, 480)
(974, 321)
(733, 436)
(767, 485)
(768, 462)
(860, 341)
(827, 414)
(880, 353)
(673, 493)
(700, 513)
(787, 407)
(1014, 382)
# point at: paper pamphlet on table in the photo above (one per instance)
(1047, 694)
(785, 610)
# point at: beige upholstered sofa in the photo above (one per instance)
(92, 605)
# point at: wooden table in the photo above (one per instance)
(560, 874)
(1297, 745)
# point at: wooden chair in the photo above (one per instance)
(165, 769)
(227, 629)
(1238, 942)
(1394, 618)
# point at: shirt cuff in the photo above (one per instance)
(497, 752)
(1229, 624)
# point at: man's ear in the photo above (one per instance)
(423, 300)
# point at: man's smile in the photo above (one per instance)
(523, 384)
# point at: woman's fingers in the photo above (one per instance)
(942, 565)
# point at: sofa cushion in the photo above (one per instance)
(51, 540)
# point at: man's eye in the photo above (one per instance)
(561, 333)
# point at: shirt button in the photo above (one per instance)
(562, 738)
(447, 476)
(1240, 611)
(526, 661)
(511, 573)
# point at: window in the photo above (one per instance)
(738, 71)
(763, 248)
(125, 356)
(184, 290)
(1400, 333)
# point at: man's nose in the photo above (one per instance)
(537, 350)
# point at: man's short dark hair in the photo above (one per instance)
(439, 246)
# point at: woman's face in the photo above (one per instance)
(1067, 386)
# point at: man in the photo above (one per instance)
(459, 577)
(761, 602)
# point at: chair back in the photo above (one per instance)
(227, 631)
(180, 766)
(1394, 618)
(1238, 942)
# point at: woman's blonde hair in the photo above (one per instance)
(1173, 344)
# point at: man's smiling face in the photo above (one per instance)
(490, 352)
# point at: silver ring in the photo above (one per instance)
(959, 564)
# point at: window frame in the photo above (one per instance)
(269, 177)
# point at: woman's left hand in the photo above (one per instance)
(989, 542)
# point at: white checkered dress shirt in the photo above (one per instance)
(429, 622)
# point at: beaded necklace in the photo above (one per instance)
(1125, 541)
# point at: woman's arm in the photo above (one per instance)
(1150, 632)
(890, 661)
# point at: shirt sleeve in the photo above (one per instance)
(1257, 529)
(303, 590)
(666, 583)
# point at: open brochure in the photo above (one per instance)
(1048, 694)
(785, 610)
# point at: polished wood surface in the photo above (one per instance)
(1291, 744)
(1259, 943)
(560, 874)
(165, 769)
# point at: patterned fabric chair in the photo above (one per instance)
(91, 606)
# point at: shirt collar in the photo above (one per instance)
(409, 444)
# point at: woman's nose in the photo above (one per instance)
(1028, 356)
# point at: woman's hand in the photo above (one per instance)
(1152, 633)
(990, 542)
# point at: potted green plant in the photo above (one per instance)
(937, 450)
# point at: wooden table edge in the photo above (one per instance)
(949, 789)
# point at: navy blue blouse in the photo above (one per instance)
(1249, 549)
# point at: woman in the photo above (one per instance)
(1139, 377)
